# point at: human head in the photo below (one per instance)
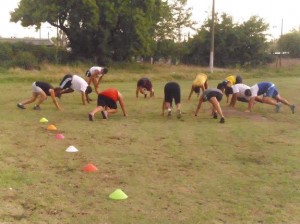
(104, 70)
(88, 73)
(228, 91)
(196, 89)
(57, 92)
(88, 90)
(248, 92)
(222, 85)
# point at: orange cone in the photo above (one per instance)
(51, 127)
(90, 168)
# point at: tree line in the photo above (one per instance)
(107, 31)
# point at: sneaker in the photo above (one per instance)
(104, 114)
(37, 107)
(277, 107)
(215, 116)
(178, 114)
(21, 106)
(222, 120)
(169, 113)
(293, 107)
(91, 117)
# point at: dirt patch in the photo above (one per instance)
(229, 112)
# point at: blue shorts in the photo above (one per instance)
(271, 92)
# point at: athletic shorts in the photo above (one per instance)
(210, 94)
(105, 101)
(36, 89)
(66, 82)
(172, 91)
(271, 92)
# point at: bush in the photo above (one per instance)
(25, 60)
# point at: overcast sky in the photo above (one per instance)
(272, 11)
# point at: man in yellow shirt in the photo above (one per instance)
(199, 82)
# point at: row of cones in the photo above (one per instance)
(118, 194)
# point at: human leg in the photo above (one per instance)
(217, 108)
(285, 102)
(27, 101)
(93, 112)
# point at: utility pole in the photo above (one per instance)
(280, 53)
(212, 39)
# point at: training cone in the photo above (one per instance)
(59, 136)
(51, 127)
(71, 148)
(118, 194)
(90, 168)
(43, 120)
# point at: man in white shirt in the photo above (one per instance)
(95, 75)
(71, 83)
(238, 94)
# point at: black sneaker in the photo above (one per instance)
(104, 114)
(91, 117)
(21, 106)
(215, 116)
(293, 107)
(37, 107)
(222, 120)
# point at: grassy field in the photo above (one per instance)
(192, 170)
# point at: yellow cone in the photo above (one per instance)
(118, 194)
(43, 120)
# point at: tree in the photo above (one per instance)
(99, 29)
(235, 44)
(290, 43)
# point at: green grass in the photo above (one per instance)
(192, 170)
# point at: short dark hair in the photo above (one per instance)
(228, 91)
(88, 90)
(221, 86)
(104, 70)
(57, 91)
(88, 73)
(248, 92)
(196, 89)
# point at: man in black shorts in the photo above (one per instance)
(214, 96)
(171, 91)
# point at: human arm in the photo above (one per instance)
(163, 108)
(199, 105)
(250, 104)
(68, 90)
(84, 98)
(151, 92)
(137, 92)
(121, 102)
(191, 92)
(100, 78)
(52, 94)
(95, 83)
(233, 100)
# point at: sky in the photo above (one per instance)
(280, 15)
